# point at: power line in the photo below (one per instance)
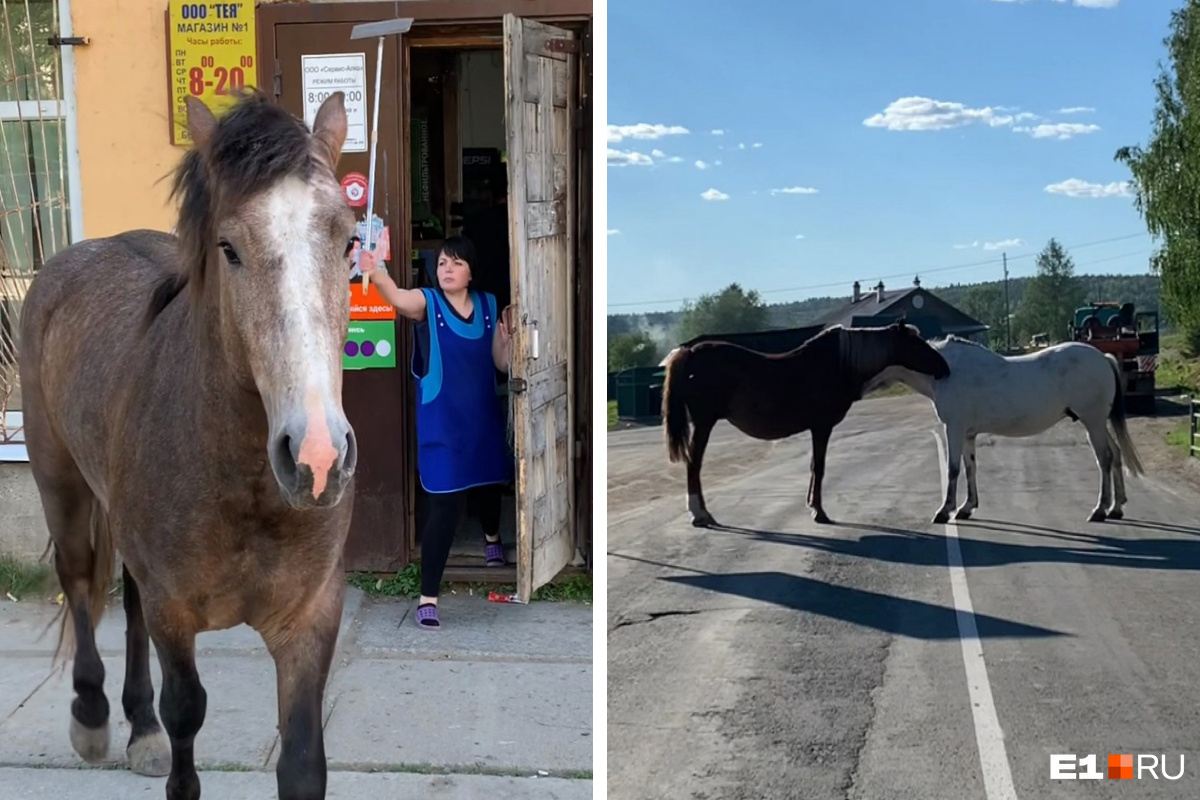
(907, 273)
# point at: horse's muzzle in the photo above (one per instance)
(313, 471)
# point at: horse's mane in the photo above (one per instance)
(255, 144)
(950, 337)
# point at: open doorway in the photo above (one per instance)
(459, 186)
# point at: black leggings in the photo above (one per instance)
(445, 510)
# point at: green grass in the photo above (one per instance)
(1177, 369)
(407, 583)
(612, 414)
(24, 580)
(1178, 438)
(896, 389)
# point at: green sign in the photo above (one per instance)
(370, 345)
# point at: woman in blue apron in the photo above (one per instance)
(462, 441)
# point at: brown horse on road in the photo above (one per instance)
(183, 409)
(769, 396)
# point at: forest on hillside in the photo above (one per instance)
(1141, 290)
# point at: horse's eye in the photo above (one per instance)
(350, 245)
(230, 253)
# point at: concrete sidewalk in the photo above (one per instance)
(498, 704)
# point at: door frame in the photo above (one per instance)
(455, 24)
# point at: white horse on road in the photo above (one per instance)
(1024, 396)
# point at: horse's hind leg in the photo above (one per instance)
(148, 751)
(302, 664)
(701, 429)
(183, 703)
(820, 447)
(1097, 431)
(1116, 510)
(972, 502)
(69, 508)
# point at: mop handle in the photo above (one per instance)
(374, 142)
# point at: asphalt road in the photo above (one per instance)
(775, 658)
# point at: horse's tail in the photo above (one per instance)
(674, 407)
(103, 566)
(1117, 416)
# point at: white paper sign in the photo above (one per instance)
(345, 72)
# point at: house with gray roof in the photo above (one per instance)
(931, 315)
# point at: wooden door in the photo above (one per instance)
(375, 400)
(540, 80)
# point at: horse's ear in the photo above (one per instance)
(330, 126)
(201, 124)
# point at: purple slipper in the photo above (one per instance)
(494, 553)
(427, 618)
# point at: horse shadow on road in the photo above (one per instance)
(925, 548)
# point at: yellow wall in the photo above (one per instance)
(121, 92)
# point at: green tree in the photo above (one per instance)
(985, 303)
(1166, 173)
(731, 310)
(628, 350)
(1052, 295)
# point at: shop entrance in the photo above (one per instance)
(478, 135)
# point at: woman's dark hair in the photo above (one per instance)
(459, 247)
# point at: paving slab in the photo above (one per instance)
(386, 712)
(239, 725)
(474, 629)
(93, 784)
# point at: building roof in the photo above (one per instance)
(931, 314)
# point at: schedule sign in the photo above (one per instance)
(212, 50)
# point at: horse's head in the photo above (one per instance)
(270, 237)
(911, 351)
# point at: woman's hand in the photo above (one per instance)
(371, 268)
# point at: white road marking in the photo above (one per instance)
(989, 736)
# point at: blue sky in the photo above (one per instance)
(895, 138)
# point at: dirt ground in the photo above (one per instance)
(1168, 463)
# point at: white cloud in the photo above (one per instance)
(741, 145)
(675, 159)
(714, 194)
(795, 190)
(658, 154)
(701, 165)
(642, 130)
(1076, 110)
(718, 132)
(628, 158)
(717, 163)
(1080, 3)
(1000, 245)
(1024, 116)
(756, 145)
(613, 231)
(925, 114)
(1058, 130)
(799, 235)
(1074, 187)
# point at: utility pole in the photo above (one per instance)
(1007, 313)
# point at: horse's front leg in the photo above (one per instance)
(954, 448)
(302, 663)
(820, 446)
(972, 502)
(701, 429)
(183, 703)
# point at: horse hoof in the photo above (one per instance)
(90, 743)
(1096, 516)
(703, 522)
(821, 518)
(941, 518)
(1116, 513)
(150, 755)
(963, 513)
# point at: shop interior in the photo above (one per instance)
(459, 187)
